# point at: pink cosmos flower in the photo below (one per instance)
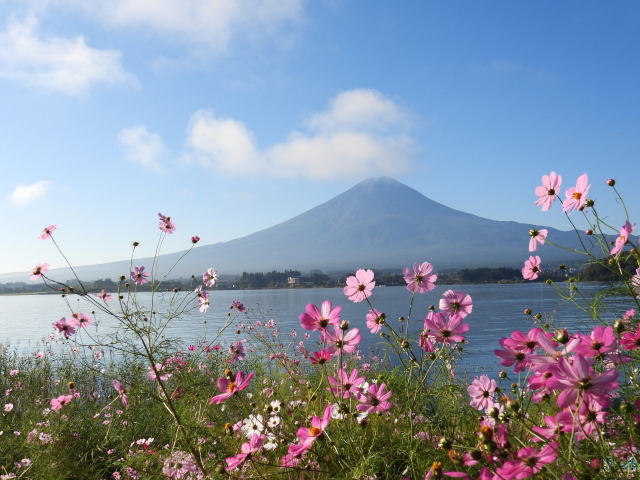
(548, 191)
(447, 329)
(246, 451)
(631, 340)
(47, 231)
(203, 299)
(601, 341)
(455, 303)
(195, 239)
(65, 327)
(635, 282)
(231, 387)
(238, 306)
(528, 342)
(538, 237)
(38, 271)
(359, 286)
(419, 280)
(139, 276)
(345, 385)
(375, 399)
(104, 296)
(61, 401)
(210, 277)
(338, 340)
(319, 319)
(153, 376)
(625, 233)
(237, 351)
(528, 462)
(309, 435)
(321, 357)
(576, 380)
(531, 268)
(511, 356)
(481, 392)
(166, 225)
(81, 320)
(576, 196)
(375, 320)
(122, 392)
(179, 465)
(561, 423)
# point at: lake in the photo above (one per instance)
(497, 311)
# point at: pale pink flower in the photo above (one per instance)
(39, 270)
(246, 450)
(531, 268)
(61, 401)
(179, 465)
(81, 320)
(576, 196)
(122, 392)
(375, 320)
(8, 407)
(481, 392)
(203, 299)
(104, 296)
(47, 231)
(538, 237)
(237, 351)
(455, 303)
(319, 319)
(238, 306)
(210, 277)
(419, 280)
(548, 191)
(166, 225)
(625, 233)
(153, 376)
(231, 387)
(375, 399)
(359, 286)
(338, 340)
(139, 276)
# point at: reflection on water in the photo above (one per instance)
(497, 311)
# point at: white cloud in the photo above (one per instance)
(143, 147)
(23, 195)
(57, 64)
(209, 24)
(361, 133)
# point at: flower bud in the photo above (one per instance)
(344, 325)
(135, 244)
(527, 311)
(611, 182)
(195, 239)
(562, 266)
(445, 444)
(503, 374)
(588, 232)
(589, 203)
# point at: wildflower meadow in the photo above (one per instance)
(128, 402)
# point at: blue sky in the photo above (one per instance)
(233, 116)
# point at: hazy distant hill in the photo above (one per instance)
(379, 223)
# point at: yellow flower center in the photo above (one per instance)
(231, 387)
(314, 431)
(577, 195)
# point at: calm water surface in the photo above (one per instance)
(497, 311)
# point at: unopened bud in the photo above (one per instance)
(611, 182)
(589, 203)
(195, 239)
(344, 325)
(135, 244)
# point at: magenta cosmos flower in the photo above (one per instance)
(359, 286)
(548, 191)
(166, 225)
(446, 329)
(528, 462)
(238, 306)
(231, 387)
(122, 392)
(104, 296)
(61, 401)
(339, 341)
(309, 435)
(481, 392)
(455, 303)
(139, 276)
(576, 196)
(345, 385)
(320, 318)
(375, 399)
(246, 451)
(38, 271)
(538, 237)
(531, 268)
(65, 327)
(625, 233)
(419, 280)
(375, 320)
(47, 231)
(237, 351)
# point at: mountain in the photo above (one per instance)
(380, 223)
